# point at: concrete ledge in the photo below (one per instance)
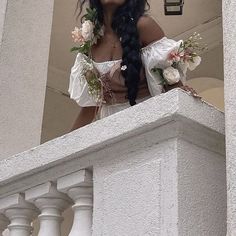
(176, 108)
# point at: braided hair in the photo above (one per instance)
(124, 23)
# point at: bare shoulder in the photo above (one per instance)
(149, 30)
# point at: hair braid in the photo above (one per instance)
(125, 25)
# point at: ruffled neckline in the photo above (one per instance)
(153, 44)
(103, 62)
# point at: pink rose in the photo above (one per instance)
(77, 36)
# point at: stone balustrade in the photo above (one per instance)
(157, 168)
(47, 202)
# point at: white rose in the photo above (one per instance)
(87, 30)
(171, 75)
(196, 62)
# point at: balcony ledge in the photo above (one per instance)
(175, 113)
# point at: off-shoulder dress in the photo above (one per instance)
(154, 54)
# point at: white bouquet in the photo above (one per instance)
(180, 59)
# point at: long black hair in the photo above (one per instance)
(124, 23)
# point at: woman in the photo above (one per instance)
(134, 42)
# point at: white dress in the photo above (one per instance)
(154, 54)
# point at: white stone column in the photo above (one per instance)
(3, 7)
(25, 29)
(51, 204)
(229, 32)
(20, 214)
(79, 187)
(3, 223)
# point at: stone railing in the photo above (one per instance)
(157, 168)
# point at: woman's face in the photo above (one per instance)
(112, 2)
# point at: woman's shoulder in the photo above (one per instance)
(149, 30)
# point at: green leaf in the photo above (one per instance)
(74, 49)
(94, 85)
(82, 49)
(91, 14)
(159, 72)
(175, 65)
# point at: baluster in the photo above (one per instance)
(3, 223)
(51, 204)
(78, 186)
(20, 213)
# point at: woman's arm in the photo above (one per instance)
(150, 31)
(85, 117)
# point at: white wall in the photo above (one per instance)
(23, 73)
(158, 168)
(229, 21)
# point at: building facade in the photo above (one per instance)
(180, 191)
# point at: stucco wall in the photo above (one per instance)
(135, 194)
(173, 187)
(23, 73)
(202, 190)
(229, 22)
(159, 169)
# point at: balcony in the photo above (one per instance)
(157, 168)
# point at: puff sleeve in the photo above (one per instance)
(155, 54)
(78, 86)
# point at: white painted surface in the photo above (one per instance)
(173, 187)
(79, 187)
(154, 112)
(51, 204)
(229, 21)
(24, 55)
(158, 169)
(20, 214)
(202, 191)
(133, 191)
(83, 210)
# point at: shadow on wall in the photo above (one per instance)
(210, 89)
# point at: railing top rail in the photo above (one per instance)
(156, 111)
